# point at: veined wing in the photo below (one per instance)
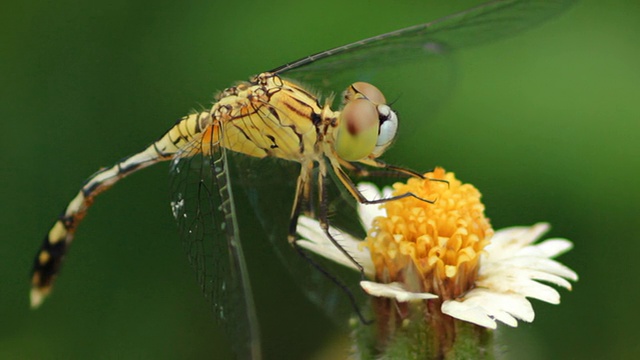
(483, 23)
(334, 69)
(202, 202)
(270, 185)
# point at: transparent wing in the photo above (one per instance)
(202, 198)
(269, 186)
(435, 39)
(202, 203)
(426, 46)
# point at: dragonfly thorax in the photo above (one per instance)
(273, 117)
(269, 116)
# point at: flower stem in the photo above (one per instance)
(419, 336)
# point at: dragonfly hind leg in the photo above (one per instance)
(302, 192)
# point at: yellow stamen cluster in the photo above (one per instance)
(431, 247)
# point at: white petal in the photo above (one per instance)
(536, 290)
(332, 253)
(521, 284)
(368, 212)
(310, 229)
(506, 242)
(469, 313)
(550, 278)
(543, 249)
(530, 263)
(395, 291)
(482, 307)
(554, 247)
(315, 240)
(512, 264)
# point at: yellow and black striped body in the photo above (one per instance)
(267, 116)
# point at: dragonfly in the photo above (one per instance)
(273, 116)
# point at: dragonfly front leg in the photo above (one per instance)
(387, 169)
(353, 189)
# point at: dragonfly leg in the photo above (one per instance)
(335, 280)
(323, 218)
(301, 196)
(379, 164)
(302, 190)
(353, 189)
(387, 170)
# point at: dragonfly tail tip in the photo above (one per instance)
(37, 296)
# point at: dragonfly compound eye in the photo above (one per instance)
(365, 90)
(388, 128)
(357, 134)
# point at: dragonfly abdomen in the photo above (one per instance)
(57, 241)
(265, 117)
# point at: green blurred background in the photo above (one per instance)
(545, 124)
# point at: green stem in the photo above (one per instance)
(422, 334)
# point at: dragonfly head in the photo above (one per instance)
(367, 124)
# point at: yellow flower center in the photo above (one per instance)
(431, 247)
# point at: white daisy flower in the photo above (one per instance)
(447, 255)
